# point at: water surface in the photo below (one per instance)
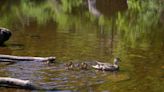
(132, 30)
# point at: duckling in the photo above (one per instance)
(70, 66)
(83, 66)
(78, 66)
(107, 66)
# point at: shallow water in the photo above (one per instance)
(131, 30)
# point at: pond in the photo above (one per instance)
(86, 31)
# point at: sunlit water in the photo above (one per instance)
(44, 29)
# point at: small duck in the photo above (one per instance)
(107, 66)
(84, 66)
(70, 66)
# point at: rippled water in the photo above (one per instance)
(131, 30)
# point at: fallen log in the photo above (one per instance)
(11, 58)
(21, 84)
(13, 82)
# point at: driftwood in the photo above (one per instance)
(11, 58)
(22, 84)
(13, 82)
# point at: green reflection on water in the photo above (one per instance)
(68, 31)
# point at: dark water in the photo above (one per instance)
(132, 30)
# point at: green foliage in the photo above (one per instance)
(68, 5)
(39, 12)
(134, 5)
(43, 11)
(101, 20)
(135, 26)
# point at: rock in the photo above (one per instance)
(4, 35)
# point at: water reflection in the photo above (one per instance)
(111, 7)
(5, 50)
(132, 30)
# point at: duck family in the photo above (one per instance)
(98, 65)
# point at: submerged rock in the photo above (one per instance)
(4, 35)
